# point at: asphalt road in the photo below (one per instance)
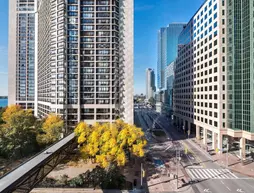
(240, 184)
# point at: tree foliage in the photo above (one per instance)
(17, 133)
(51, 130)
(152, 101)
(110, 143)
(1, 114)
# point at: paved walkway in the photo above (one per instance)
(160, 178)
(80, 190)
(234, 163)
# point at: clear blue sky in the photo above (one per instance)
(150, 15)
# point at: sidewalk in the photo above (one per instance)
(161, 179)
(234, 163)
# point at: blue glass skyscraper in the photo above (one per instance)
(167, 50)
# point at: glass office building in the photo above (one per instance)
(240, 67)
(167, 50)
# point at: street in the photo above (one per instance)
(204, 174)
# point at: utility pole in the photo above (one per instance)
(227, 154)
(141, 182)
(177, 158)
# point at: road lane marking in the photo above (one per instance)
(199, 173)
(223, 174)
(214, 174)
(228, 188)
(207, 173)
(232, 174)
(222, 182)
(192, 175)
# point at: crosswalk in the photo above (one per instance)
(196, 174)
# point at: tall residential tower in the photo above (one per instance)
(85, 60)
(21, 79)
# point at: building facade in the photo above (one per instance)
(170, 76)
(167, 50)
(85, 60)
(240, 76)
(21, 64)
(213, 94)
(150, 83)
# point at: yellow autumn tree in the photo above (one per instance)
(51, 130)
(17, 133)
(110, 143)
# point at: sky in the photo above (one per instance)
(149, 17)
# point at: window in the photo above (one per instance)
(215, 24)
(215, 16)
(215, 7)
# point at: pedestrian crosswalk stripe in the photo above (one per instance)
(206, 172)
(195, 174)
(210, 174)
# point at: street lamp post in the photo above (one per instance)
(227, 154)
(141, 183)
(176, 170)
(177, 159)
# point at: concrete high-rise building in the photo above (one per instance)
(21, 79)
(85, 60)
(150, 83)
(167, 50)
(213, 88)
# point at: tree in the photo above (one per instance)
(152, 101)
(51, 130)
(17, 134)
(109, 144)
(1, 114)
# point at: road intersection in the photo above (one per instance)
(205, 175)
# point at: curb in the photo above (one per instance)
(234, 170)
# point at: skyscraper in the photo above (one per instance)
(21, 65)
(213, 89)
(240, 70)
(170, 76)
(150, 83)
(85, 60)
(199, 89)
(167, 50)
